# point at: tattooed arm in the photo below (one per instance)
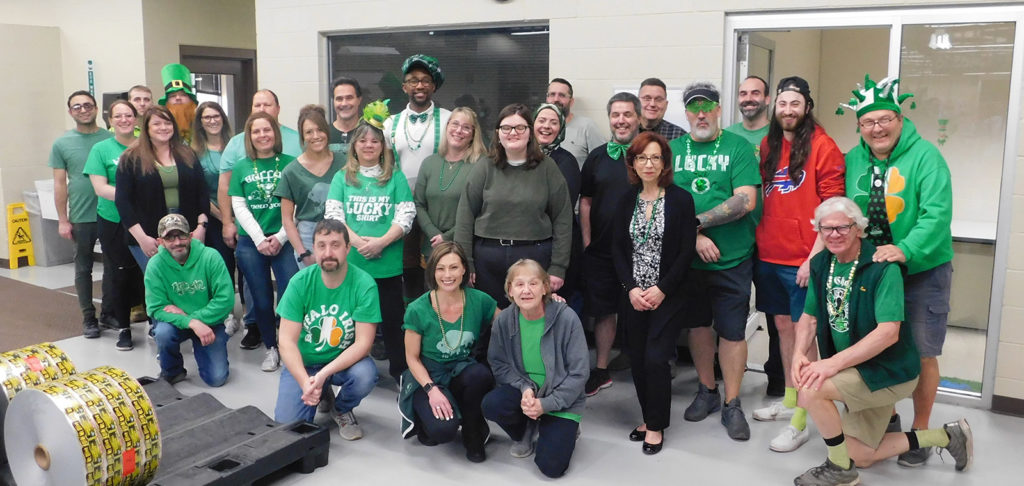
(743, 201)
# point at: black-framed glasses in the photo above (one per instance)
(842, 230)
(507, 129)
(882, 122)
(210, 118)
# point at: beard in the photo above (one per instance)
(183, 116)
(753, 110)
(703, 134)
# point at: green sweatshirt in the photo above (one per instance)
(201, 287)
(919, 197)
(516, 203)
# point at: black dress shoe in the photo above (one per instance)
(637, 435)
(652, 449)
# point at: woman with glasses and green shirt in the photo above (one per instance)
(514, 207)
(443, 176)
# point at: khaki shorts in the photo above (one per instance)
(868, 412)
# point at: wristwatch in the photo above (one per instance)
(303, 255)
(428, 387)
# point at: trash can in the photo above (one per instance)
(50, 249)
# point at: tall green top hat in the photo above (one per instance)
(176, 77)
(872, 96)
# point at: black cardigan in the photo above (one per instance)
(677, 246)
(140, 197)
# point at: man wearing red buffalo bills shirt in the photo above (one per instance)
(801, 166)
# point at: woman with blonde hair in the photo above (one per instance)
(442, 178)
(373, 199)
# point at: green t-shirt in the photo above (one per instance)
(369, 211)
(752, 136)
(306, 190)
(234, 151)
(256, 182)
(530, 334)
(888, 301)
(70, 152)
(210, 162)
(169, 179)
(710, 171)
(328, 316)
(421, 318)
(102, 161)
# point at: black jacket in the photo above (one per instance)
(677, 247)
(140, 197)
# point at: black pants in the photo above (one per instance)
(215, 240)
(773, 367)
(84, 236)
(468, 388)
(491, 261)
(126, 286)
(392, 313)
(556, 439)
(651, 345)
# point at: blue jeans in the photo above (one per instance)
(556, 438)
(356, 383)
(212, 359)
(256, 269)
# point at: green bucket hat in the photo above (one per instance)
(426, 62)
(176, 77)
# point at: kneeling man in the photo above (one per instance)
(868, 360)
(329, 315)
(189, 294)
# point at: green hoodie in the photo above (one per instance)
(201, 287)
(919, 197)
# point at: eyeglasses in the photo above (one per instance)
(657, 99)
(177, 237)
(882, 122)
(645, 159)
(507, 129)
(210, 118)
(841, 230)
(458, 127)
(413, 82)
(82, 107)
(697, 106)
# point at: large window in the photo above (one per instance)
(485, 68)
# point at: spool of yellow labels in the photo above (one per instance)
(26, 367)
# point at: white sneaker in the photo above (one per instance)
(232, 325)
(348, 426)
(775, 411)
(271, 361)
(790, 439)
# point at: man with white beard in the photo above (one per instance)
(720, 171)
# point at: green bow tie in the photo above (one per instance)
(617, 150)
(421, 118)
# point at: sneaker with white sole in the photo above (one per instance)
(271, 361)
(789, 440)
(775, 411)
(348, 426)
(524, 447)
(829, 474)
(232, 325)
(961, 443)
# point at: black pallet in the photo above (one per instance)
(206, 443)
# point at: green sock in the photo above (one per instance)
(838, 455)
(932, 438)
(789, 399)
(799, 419)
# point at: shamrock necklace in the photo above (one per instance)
(701, 183)
(440, 322)
(839, 306)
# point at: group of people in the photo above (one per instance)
(461, 257)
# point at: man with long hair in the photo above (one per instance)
(801, 166)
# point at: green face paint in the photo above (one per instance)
(698, 106)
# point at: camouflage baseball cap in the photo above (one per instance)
(172, 222)
(426, 62)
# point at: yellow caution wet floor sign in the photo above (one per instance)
(19, 243)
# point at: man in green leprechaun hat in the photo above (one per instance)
(179, 97)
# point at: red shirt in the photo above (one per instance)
(785, 234)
